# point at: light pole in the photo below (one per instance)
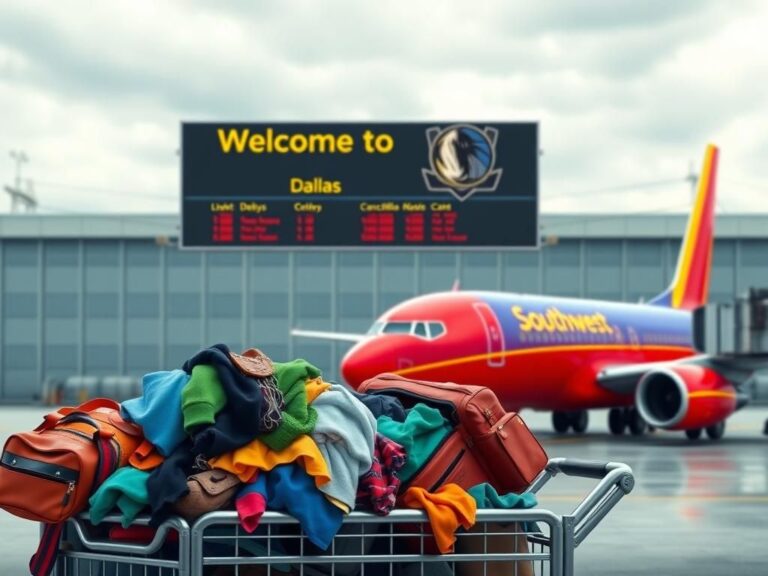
(19, 197)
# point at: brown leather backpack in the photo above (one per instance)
(488, 444)
(48, 474)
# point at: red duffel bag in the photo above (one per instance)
(488, 444)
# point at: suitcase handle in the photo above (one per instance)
(83, 418)
(52, 418)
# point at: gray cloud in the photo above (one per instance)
(625, 91)
(599, 15)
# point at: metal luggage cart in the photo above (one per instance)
(82, 554)
(514, 542)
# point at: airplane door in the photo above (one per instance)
(493, 333)
(634, 339)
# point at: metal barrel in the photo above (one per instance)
(79, 389)
(120, 388)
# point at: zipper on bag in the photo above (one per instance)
(451, 467)
(452, 415)
(68, 494)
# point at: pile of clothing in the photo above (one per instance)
(239, 429)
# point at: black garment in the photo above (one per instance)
(251, 408)
(168, 482)
(382, 405)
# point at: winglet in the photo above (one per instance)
(690, 286)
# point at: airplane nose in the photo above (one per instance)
(368, 358)
(353, 367)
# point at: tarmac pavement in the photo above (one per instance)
(697, 508)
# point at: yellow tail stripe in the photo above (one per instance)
(691, 234)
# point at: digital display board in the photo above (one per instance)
(399, 185)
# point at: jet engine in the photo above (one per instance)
(685, 397)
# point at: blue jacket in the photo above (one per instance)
(288, 488)
(158, 411)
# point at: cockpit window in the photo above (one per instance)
(375, 329)
(397, 328)
(425, 330)
(436, 329)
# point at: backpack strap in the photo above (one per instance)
(44, 559)
(51, 419)
(98, 403)
(109, 459)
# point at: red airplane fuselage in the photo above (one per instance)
(533, 351)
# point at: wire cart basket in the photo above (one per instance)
(82, 554)
(502, 542)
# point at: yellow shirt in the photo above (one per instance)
(315, 387)
(246, 462)
(338, 503)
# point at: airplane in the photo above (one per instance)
(569, 355)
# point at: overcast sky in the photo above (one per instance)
(627, 92)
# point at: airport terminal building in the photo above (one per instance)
(113, 294)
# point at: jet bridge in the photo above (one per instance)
(734, 337)
(738, 328)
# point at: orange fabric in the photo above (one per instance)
(246, 462)
(315, 387)
(145, 457)
(448, 508)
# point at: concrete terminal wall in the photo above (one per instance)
(113, 295)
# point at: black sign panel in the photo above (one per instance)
(358, 185)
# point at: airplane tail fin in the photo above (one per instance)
(690, 286)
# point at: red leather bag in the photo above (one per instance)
(488, 444)
(48, 474)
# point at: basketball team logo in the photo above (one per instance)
(462, 159)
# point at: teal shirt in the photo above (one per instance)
(486, 497)
(422, 432)
(125, 489)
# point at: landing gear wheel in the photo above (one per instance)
(636, 423)
(560, 422)
(616, 421)
(579, 421)
(693, 433)
(716, 431)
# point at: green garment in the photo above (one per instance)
(202, 397)
(486, 497)
(126, 488)
(298, 416)
(422, 432)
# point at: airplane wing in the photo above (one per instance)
(690, 393)
(622, 379)
(342, 336)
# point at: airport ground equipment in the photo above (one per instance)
(81, 388)
(544, 542)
